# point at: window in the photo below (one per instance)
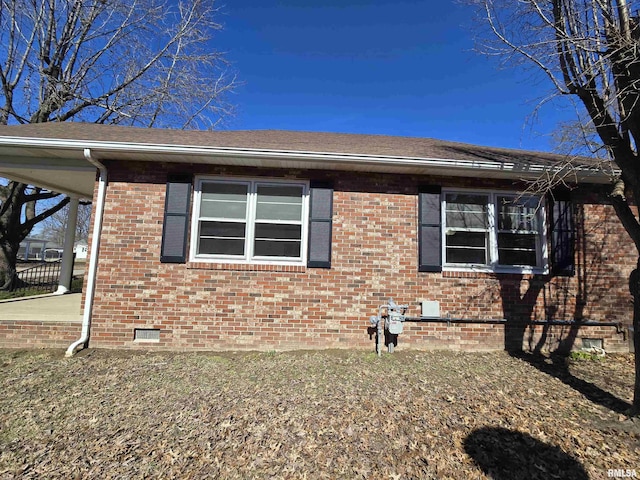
(466, 229)
(493, 230)
(518, 231)
(250, 220)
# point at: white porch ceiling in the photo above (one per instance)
(50, 170)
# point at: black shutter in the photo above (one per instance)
(429, 231)
(562, 235)
(320, 225)
(175, 227)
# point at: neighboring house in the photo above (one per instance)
(32, 248)
(292, 240)
(81, 249)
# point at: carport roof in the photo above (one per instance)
(26, 151)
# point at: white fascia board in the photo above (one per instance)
(454, 167)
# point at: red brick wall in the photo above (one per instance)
(225, 306)
(35, 334)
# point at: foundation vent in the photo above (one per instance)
(146, 334)
(588, 343)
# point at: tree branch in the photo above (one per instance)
(29, 224)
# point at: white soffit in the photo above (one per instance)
(74, 177)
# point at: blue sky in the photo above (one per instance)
(380, 67)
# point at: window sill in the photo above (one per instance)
(451, 271)
(244, 267)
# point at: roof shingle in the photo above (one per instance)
(285, 141)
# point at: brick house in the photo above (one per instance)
(273, 240)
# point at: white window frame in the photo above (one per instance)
(542, 264)
(250, 220)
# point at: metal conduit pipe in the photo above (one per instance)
(493, 321)
(93, 259)
(391, 317)
(619, 326)
(587, 323)
(454, 320)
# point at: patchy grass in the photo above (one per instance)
(27, 292)
(75, 287)
(582, 355)
(327, 414)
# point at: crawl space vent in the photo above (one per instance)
(588, 343)
(146, 334)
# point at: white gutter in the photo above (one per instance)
(93, 259)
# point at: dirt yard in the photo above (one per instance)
(330, 414)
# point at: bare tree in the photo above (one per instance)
(54, 227)
(589, 50)
(148, 63)
(17, 217)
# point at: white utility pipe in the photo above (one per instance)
(93, 259)
(380, 332)
(66, 270)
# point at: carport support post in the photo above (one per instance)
(66, 270)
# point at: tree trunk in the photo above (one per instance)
(11, 230)
(8, 258)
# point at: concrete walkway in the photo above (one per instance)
(47, 308)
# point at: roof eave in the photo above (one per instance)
(295, 159)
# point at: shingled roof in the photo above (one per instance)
(279, 140)
(64, 146)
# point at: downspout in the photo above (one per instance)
(93, 258)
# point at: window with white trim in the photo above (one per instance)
(261, 221)
(493, 230)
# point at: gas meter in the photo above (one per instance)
(391, 317)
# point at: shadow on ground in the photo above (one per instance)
(506, 454)
(558, 367)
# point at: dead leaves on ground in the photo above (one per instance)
(309, 415)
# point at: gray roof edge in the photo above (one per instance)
(464, 156)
